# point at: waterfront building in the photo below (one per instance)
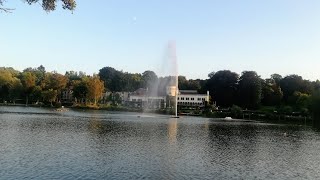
(144, 99)
(191, 98)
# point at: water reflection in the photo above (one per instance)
(99, 145)
(172, 130)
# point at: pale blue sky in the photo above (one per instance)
(270, 36)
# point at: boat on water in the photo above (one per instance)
(228, 118)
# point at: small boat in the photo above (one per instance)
(228, 118)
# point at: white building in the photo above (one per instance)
(192, 98)
(141, 98)
(124, 96)
(186, 98)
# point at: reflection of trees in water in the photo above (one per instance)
(172, 130)
(101, 127)
(234, 143)
(254, 145)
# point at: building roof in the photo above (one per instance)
(188, 91)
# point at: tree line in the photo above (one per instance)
(227, 88)
(35, 85)
(286, 94)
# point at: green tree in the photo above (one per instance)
(28, 80)
(55, 81)
(39, 72)
(110, 76)
(6, 79)
(236, 111)
(80, 89)
(50, 96)
(133, 81)
(36, 94)
(276, 78)
(250, 90)
(16, 89)
(223, 87)
(149, 78)
(293, 83)
(188, 84)
(271, 93)
(315, 108)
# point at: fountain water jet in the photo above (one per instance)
(173, 57)
(167, 84)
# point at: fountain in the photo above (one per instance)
(173, 57)
(167, 84)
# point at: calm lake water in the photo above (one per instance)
(38, 143)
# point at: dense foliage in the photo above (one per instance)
(249, 91)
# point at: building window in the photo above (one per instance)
(182, 98)
(178, 98)
(203, 99)
(199, 99)
(192, 99)
(187, 99)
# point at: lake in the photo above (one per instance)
(39, 143)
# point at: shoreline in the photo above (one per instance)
(274, 118)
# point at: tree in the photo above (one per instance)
(47, 5)
(250, 89)
(188, 84)
(107, 74)
(15, 90)
(95, 88)
(223, 87)
(276, 78)
(54, 81)
(293, 83)
(271, 92)
(50, 95)
(149, 78)
(132, 82)
(39, 72)
(28, 80)
(36, 94)
(80, 89)
(6, 79)
(315, 106)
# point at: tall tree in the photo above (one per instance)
(107, 74)
(149, 78)
(55, 81)
(6, 79)
(16, 89)
(39, 72)
(80, 89)
(249, 93)
(293, 83)
(271, 92)
(223, 87)
(95, 88)
(28, 80)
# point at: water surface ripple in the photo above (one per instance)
(38, 143)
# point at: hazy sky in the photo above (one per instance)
(270, 36)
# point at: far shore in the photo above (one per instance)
(269, 118)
